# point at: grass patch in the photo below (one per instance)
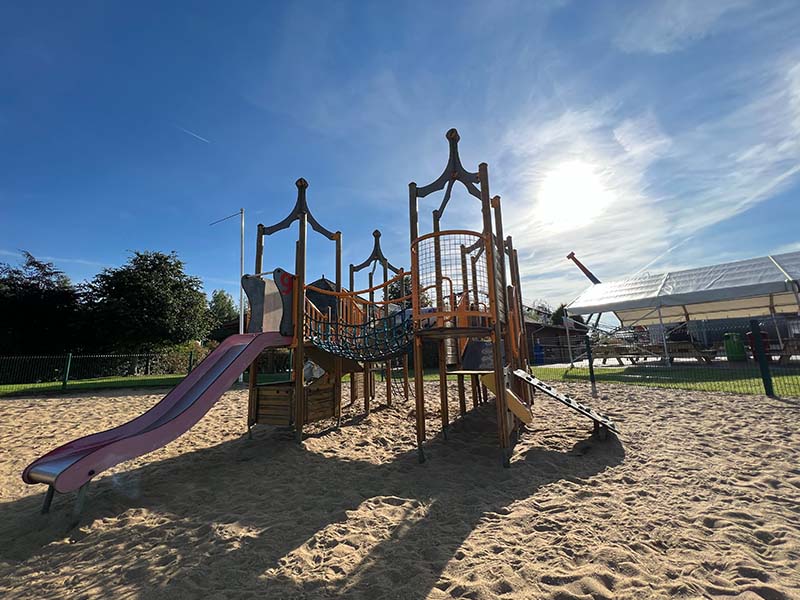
(16, 389)
(744, 380)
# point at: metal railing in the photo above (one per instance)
(722, 361)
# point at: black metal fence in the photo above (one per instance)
(47, 373)
(735, 357)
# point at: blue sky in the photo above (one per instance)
(638, 134)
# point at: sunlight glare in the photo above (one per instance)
(572, 195)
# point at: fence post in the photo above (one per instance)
(763, 364)
(591, 366)
(191, 362)
(66, 371)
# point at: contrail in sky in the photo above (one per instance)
(194, 135)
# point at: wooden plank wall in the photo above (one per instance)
(275, 404)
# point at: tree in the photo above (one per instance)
(557, 317)
(222, 311)
(402, 288)
(38, 308)
(147, 303)
(222, 307)
(539, 311)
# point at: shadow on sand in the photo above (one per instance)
(195, 500)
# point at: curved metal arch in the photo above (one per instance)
(300, 207)
(454, 171)
(376, 256)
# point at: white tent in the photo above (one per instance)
(748, 288)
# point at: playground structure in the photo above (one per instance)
(462, 293)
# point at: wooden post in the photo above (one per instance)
(496, 334)
(462, 396)
(437, 259)
(445, 411)
(368, 365)
(337, 363)
(405, 376)
(353, 390)
(252, 397)
(419, 387)
(300, 298)
(259, 248)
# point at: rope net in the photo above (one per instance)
(360, 329)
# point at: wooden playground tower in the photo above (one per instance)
(324, 322)
(464, 297)
(473, 297)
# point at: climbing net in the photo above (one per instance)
(360, 329)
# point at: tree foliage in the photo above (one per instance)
(402, 288)
(222, 307)
(399, 289)
(38, 308)
(557, 318)
(221, 312)
(147, 303)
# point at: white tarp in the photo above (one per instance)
(747, 288)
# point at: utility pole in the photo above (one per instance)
(240, 214)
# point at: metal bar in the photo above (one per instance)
(591, 366)
(48, 499)
(80, 501)
(663, 335)
(763, 363)
(67, 367)
(569, 342)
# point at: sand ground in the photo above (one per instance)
(700, 498)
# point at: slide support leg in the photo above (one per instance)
(48, 499)
(80, 501)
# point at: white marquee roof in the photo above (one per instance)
(746, 288)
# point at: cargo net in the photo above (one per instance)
(453, 280)
(359, 329)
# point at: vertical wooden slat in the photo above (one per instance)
(496, 334)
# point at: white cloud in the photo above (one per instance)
(660, 27)
(729, 164)
(56, 259)
(642, 138)
(666, 187)
(792, 247)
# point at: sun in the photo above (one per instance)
(571, 195)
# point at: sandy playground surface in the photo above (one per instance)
(700, 499)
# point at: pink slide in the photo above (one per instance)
(73, 465)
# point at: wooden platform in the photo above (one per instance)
(438, 333)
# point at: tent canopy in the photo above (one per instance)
(746, 288)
